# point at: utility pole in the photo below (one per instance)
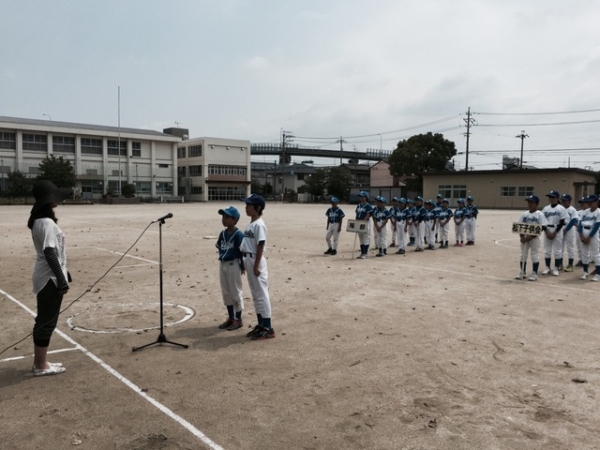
(285, 136)
(341, 141)
(469, 121)
(521, 136)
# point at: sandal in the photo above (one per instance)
(54, 369)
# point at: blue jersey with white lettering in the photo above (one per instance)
(399, 214)
(444, 213)
(430, 215)
(408, 213)
(335, 215)
(472, 211)
(229, 245)
(419, 214)
(363, 211)
(460, 213)
(381, 214)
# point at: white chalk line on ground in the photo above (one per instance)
(148, 261)
(189, 313)
(177, 418)
(16, 358)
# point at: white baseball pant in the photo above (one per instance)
(333, 231)
(590, 252)
(459, 232)
(443, 232)
(569, 238)
(259, 288)
(470, 228)
(553, 247)
(230, 277)
(532, 247)
(401, 234)
(380, 236)
(420, 234)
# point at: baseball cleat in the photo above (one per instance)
(254, 330)
(521, 276)
(328, 252)
(333, 252)
(555, 272)
(226, 324)
(235, 325)
(264, 333)
(533, 277)
(546, 271)
(596, 278)
(584, 276)
(569, 268)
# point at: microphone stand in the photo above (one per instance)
(162, 339)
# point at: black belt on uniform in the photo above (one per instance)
(587, 228)
(248, 254)
(550, 226)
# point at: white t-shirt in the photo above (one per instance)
(254, 233)
(46, 234)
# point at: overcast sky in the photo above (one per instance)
(382, 69)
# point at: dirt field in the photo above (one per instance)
(434, 350)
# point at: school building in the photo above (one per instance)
(507, 189)
(160, 164)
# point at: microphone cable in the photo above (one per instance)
(85, 292)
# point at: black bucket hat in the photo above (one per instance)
(45, 192)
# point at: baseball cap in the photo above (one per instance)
(439, 196)
(334, 200)
(591, 198)
(553, 194)
(379, 198)
(418, 198)
(409, 200)
(445, 201)
(255, 200)
(231, 212)
(566, 197)
(363, 194)
(460, 200)
(430, 202)
(582, 200)
(470, 197)
(401, 200)
(533, 198)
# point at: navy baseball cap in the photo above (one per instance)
(591, 198)
(582, 200)
(470, 197)
(430, 202)
(255, 200)
(401, 200)
(409, 200)
(419, 198)
(460, 200)
(533, 198)
(379, 198)
(231, 212)
(334, 200)
(566, 197)
(445, 201)
(439, 196)
(553, 194)
(363, 194)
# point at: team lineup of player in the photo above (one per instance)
(416, 223)
(561, 226)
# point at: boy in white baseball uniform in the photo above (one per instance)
(460, 215)
(364, 210)
(443, 222)
(335, 217)
(381, 215)
(399, 213)
(588, 234)
(231, 268)
(530, 243)
(252, 247)
(556, 216)
(570, 231)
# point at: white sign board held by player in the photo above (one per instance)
(357, 226)
(531, 229)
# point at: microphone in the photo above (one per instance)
(163, 218)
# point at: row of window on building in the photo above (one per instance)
(196, 171)
(516, 191)
(221, 193)
(192, 150)
(66, 144)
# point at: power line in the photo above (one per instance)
(537, 113)
(520, 125)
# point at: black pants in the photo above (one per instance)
(48, 307)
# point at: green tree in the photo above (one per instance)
(19, 184)
(317, 182)
(339, 182)
(418, 154)
(58, 170)
(128, 190)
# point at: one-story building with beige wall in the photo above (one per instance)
(507, 189)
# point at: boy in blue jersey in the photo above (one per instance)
(364, 212)
(570, 231)
(335, 216)
(430, 222)
(419, 224)
(399, 213)
(231, 268)
(381, 215)
(444, 216)
(437, 208)
(410, 228)
(589, 227)
(460, 215)
(471, 220)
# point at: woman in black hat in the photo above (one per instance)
(50, 276)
